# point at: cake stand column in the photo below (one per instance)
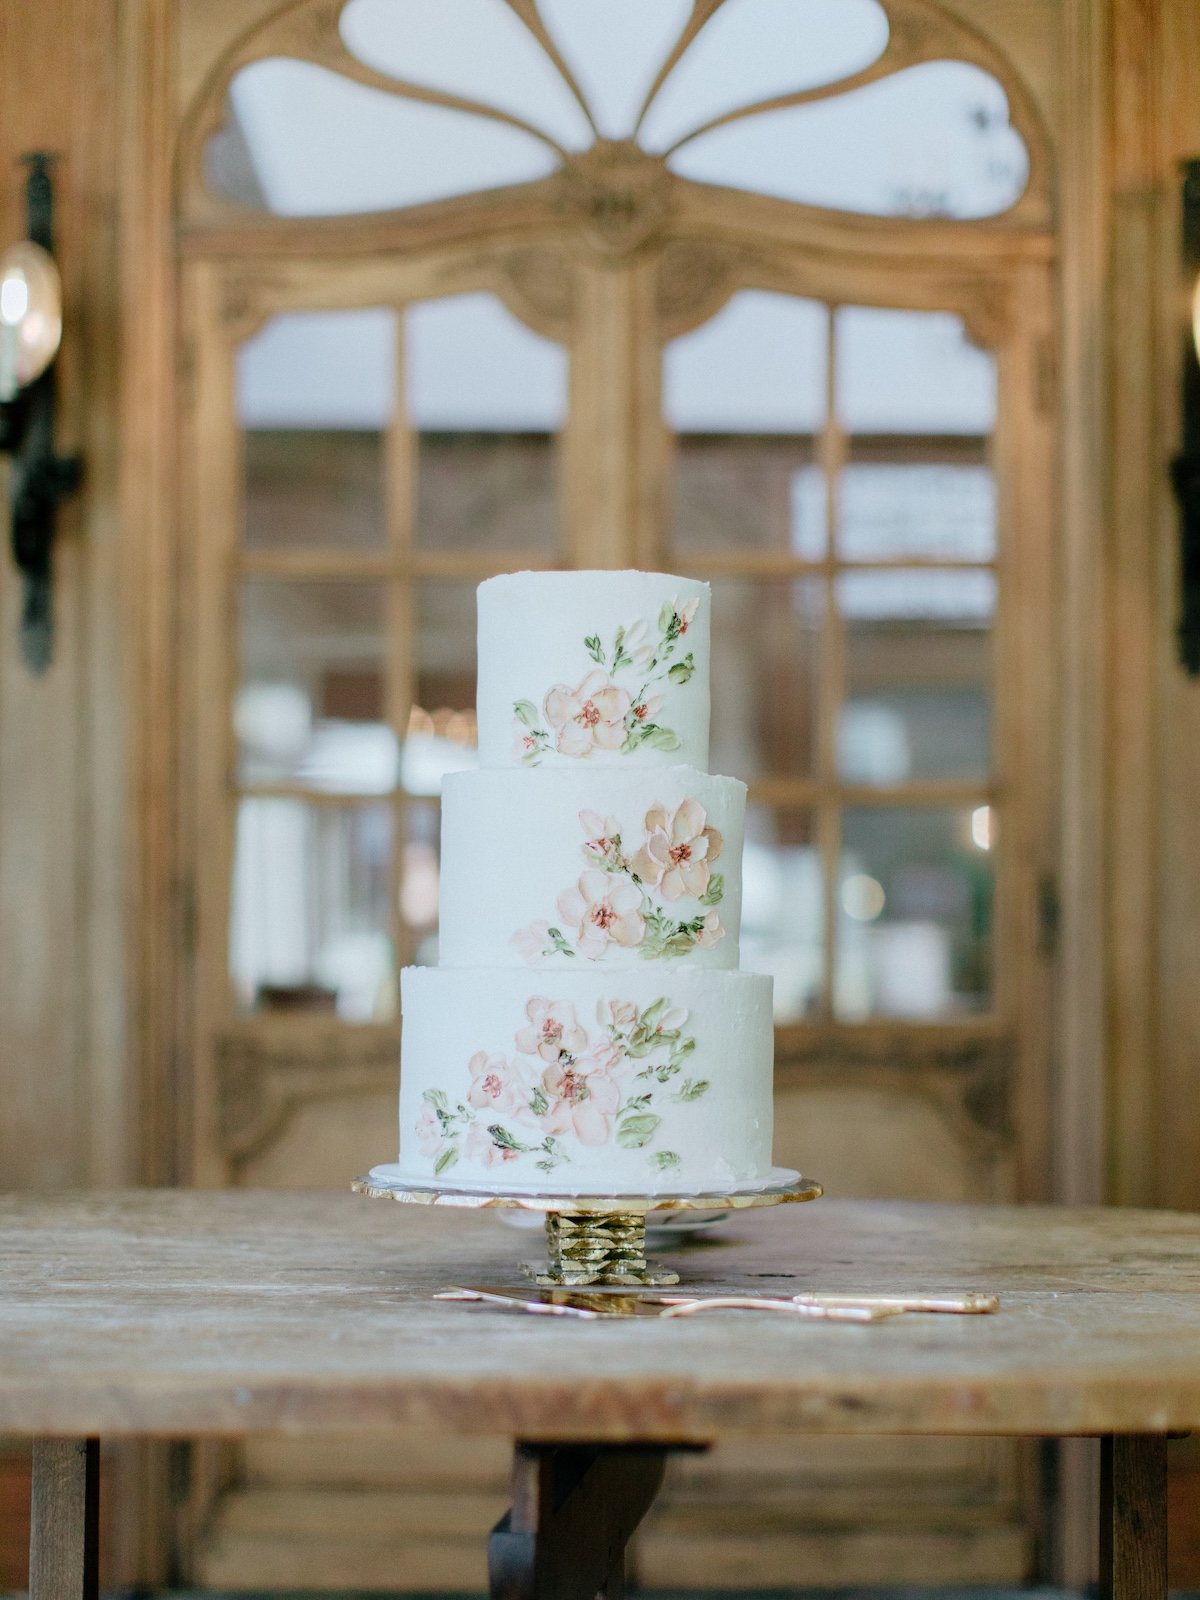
(597, 1247)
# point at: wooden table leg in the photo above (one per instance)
(1133, 1516)
(64, 1522)
(575, 1508)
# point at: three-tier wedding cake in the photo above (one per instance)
(587, 1030)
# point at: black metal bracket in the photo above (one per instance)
(1185, 469)
(575, 1508)
(40, 478)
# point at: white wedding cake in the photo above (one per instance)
(587, 1030)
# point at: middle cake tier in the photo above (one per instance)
(595, 868)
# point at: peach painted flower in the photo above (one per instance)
(678, 849)
(524, 744)
(553, 1030)
(429, 1131)
(686, 614)
(647, 706)
(590, 716)
(494, 1085)
(531, 942)
(480, 1146)
(623, 1013)
(602, 906)
(582, 1098)
(636, 644)
(710, 932)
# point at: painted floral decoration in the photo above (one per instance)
(560, 1089)
(622, 899)
(600, 714)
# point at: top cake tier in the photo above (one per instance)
(609, 668)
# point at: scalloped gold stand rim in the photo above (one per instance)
(788, 1193)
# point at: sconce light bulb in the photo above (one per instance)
(14, 297)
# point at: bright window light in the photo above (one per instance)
(981, 827)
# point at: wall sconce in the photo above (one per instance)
(1185, 469)
(30, 331)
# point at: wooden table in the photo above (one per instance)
(185, 1313)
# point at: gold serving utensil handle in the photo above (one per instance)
(679, 1306)
(958, 1304)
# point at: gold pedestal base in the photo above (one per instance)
(597, 1247)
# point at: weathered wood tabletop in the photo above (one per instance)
(230, 1313)
(227, 1313)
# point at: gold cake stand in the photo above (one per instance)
(596, 1238)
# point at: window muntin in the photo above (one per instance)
(864, 726)
(481, 101)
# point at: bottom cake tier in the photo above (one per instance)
(585, 1083)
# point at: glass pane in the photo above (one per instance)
(917, 686)
(310, 924)
(783, 910)
(314, 488)
(758, 366)
(931, 140)
(319, 369)
(615, 50)
(911, 372)
(765, 662)
(747, 493)
(323, 145)
(488, 491)
(442, 735)
(419, 869)
(758, 49)
(473, 48)
(310, 706)
(914, 913)
(925, 509)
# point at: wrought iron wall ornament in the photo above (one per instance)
(39, 478)
(1185, 469)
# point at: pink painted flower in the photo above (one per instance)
(646, 707)
(636, 643)
(495, 1086)
(623, 1013)
(602, 835)
(480, 1146)
(686, 614)
(553, 1030)
(429, 1131)
(524, 744)
(590, 716)
(601, 907)
(531, 942)
(710, 932)
(582, 1098)
(676, 855)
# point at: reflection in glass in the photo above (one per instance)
(319, 369)
(782, 908)
(323, 145)
(419, 883)
(758, 366)
(917, 681)
(914, 915)
(754, 50)
(309, 926)
(309, 709)
(488, 491)
(314, 489)
(911, 372)
(765, 659)
(933, 140)
(924, 509)
(469, 364)
(746, 493)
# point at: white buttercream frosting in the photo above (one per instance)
(637, 1061)
(594, 868)
(642, 1081)
(591, 669)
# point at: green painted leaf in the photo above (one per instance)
(436, 1098)
(638, 1130)
(690, 1090)
(650, 1016)
(538, 1103)
(446, 1160)
(662, 738)
(682, 671)
(527, 712)
(502, 1137)
(715, 892)
(664, 1160)
(594, 648)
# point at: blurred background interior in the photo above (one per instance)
(867, 311)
